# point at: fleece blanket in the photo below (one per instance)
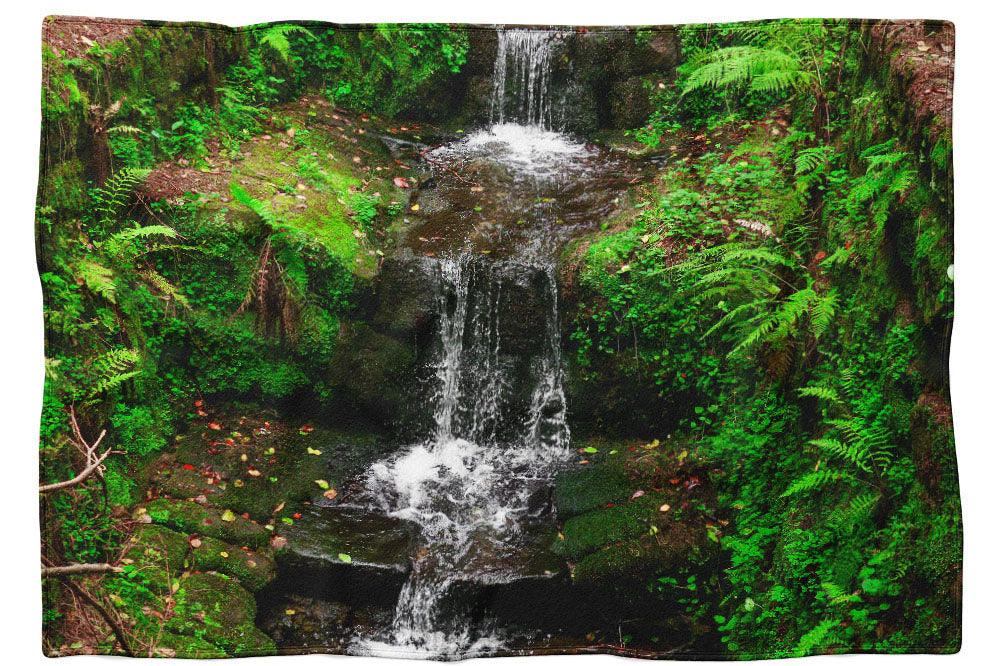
(445, 341)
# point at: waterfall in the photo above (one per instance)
(500, 427)
(469, 486)
(521, 77)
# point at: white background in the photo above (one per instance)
(975, 371)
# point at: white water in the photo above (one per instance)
(521, 77)
(469, 486)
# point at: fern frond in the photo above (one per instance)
(822, 310)
(821, 393)
(276, 37)
(112, 369)
(809, 160)
(814, 639)
(112, 197)
(759, 68)
(837, 595)
(814, 481)
(164, 286)
(259, 207)
(98, 279)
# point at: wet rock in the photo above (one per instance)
(281, 454)
(344, 555)
(299, 621)
(659, 53)
(407, 298)
(169, 644)
(524, 306)
(593, 530)
(158, 550)
(192, 518)
(671, 551)
(586, 488)
(376, 374)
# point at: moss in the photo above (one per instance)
(157, 551)
(216, 609)
(254, 569)
(196, 519)
(580, 490)
(590, 531)
(169, 644)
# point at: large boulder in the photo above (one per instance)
(354, 557)
(376, 374)
(407, 294)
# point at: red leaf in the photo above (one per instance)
(189, 467)
(214, 426)
(399, 181)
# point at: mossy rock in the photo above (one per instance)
(632, 557)
(182, 483)
(218, 610)
(586, 488)
(284, 456)
(591, 531)
(254, 569)
(169, 644)
(193, 518)
(157, 545)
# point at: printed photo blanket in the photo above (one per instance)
(445, 341)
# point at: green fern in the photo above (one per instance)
(821, 393)
(809, 160)
(115, 194)
(758, 69)
(99, 279)
(814, 481)
(837, 595)
(112, 369)
(276, 37)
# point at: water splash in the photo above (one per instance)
(470, 486)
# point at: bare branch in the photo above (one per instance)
(79, 569)
(82, 476)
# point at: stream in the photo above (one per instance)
(476, 489)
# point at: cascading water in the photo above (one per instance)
(521, 78)
(469, 487)
(500, 431)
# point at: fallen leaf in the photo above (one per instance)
(664, 508)
(313, 452)
(195, 542)
(322, 483)
(344, 557)
(330, 494)
(214, 426)
(399, 181)
(228, 516)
